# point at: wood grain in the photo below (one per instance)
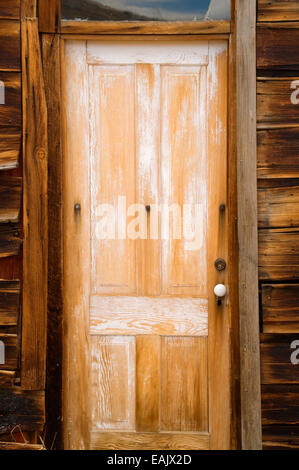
(149, 441)
(9, 302)
(22, 409)
(276, 365)
(51, 46)
(233, 261)
(147, 315)
(128, 52)
(49, 15)
(29, 9)
(278, 203)
(184, 268)
(219, 383)
(148, 383)
(184, 385)
(35, 212)
(10, 242)
(277, 46)
(10, 45)
(11, 351)
(10, 147)
(16, 446)
(7, 378)
(279, 254)
(76, 235)
(10, 199)
(280, 308)
(148, 182)
(113, 362)
(10, 10)
(274, 100)
(10, 112)
(147, 27)
(247, 224)
(278, 153)
(278, 10)
(113, 370)
(280, 404)
(277, 437)
(113, 168)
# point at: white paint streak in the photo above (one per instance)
(148, 52)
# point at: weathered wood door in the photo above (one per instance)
(147, 346)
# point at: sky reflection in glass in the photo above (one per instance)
(146, 10)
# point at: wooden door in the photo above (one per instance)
(147, 346)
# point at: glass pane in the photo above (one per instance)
(146, 10)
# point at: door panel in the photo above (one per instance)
(153, 179)
(183, 176)
(112, 153)
(184, 387)
(112, 371)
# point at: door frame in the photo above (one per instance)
(243, 312)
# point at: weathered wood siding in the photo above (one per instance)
(10, 192)
(278, 201)
(22, 412)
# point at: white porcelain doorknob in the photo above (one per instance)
(220, 290)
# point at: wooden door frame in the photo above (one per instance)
(245, 389)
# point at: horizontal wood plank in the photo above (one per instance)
(278, 153)
(279, 254)
(10, 9)
(147, 315)
(11, 351)
(17, 446)
(280, 308)
(277, 437)
(10, 45)
(10, 146)
(277, 46)
(25, 410)
(280, 405)
(145, 27)
(10, 199)
(278, 445)
(9, 302)
(11, 110)
(132, 52)
(278, 202)
(10, 242)
(149, 441)
(278, 10)
(276, 364)
(7, 378)
(274, 100)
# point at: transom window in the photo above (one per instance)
(146, 10)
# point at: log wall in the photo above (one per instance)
(278, 203)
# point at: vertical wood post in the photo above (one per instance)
(247, 224)
(35, 256)
(49, 15)
(51, 47)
